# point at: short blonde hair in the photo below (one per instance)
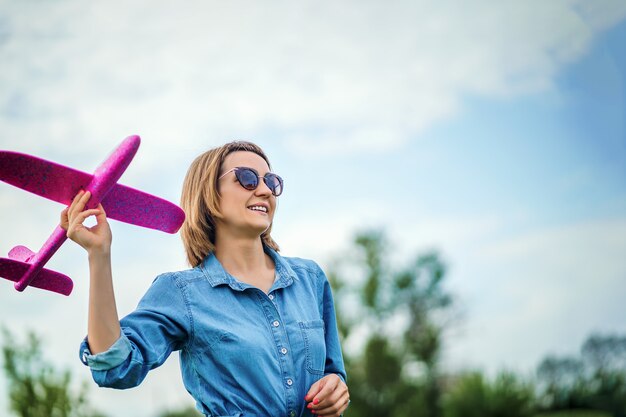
(200, 201)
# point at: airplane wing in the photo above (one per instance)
(60, 183)
(46, 279)
(46, 179)
(136, 207)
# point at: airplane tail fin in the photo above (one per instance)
(46, 279)
(21, 253)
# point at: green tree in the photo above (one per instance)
(396, 373)
(36, 389)
(605, 359)
(471, 395)
(596, 380)
(562, 384)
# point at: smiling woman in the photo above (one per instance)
(201, 195)
(256, 331)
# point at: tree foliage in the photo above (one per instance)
(472, 395)
(36, 388)
(596, 380)
(396, 373)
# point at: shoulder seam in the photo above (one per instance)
(309, 268)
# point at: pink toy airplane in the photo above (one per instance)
(60, 183)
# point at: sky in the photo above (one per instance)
(491, 131)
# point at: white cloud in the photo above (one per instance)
(600, 14)
(548, 290)
(365, 74)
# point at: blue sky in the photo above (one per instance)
(494, 132)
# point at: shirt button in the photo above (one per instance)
(283, 351)
(271, 296)
(276, 323)
(292, 413)
(290, 382)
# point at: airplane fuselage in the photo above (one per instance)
(104, 178)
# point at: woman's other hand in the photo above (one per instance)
(328, 397)
(93, 239)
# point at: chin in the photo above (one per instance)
(263, 229)
(259, 227)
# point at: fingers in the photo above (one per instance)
(335, 407)
(73, 217)
(82, 216)
(95, 239)
(64, 220)
(101, 216)
(78, 203)
(76, 225)
(329, 396)
(314, 390)
(325, 387)
(70, 210)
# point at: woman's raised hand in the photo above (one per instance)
(93, 239)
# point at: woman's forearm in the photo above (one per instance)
(103, 322)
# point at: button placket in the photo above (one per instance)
(279, 333)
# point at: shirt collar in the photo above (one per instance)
(217, 275)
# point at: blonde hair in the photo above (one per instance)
(200, 201)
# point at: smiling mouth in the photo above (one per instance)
(258, 209)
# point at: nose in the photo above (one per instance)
(262, 189)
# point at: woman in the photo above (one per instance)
(256, 331)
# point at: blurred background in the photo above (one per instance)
(458, 169)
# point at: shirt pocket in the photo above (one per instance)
(314, 345)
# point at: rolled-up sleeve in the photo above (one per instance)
(111, 358)
(160, 324)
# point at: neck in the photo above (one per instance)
(240, 255)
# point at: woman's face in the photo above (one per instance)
(244, 212)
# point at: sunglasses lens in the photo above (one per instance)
(274, 183)
(247, 178)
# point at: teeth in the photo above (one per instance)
(258, 208)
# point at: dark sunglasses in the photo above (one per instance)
(249, 179)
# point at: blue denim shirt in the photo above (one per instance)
(242, 352)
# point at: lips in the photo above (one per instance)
(262, 208)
